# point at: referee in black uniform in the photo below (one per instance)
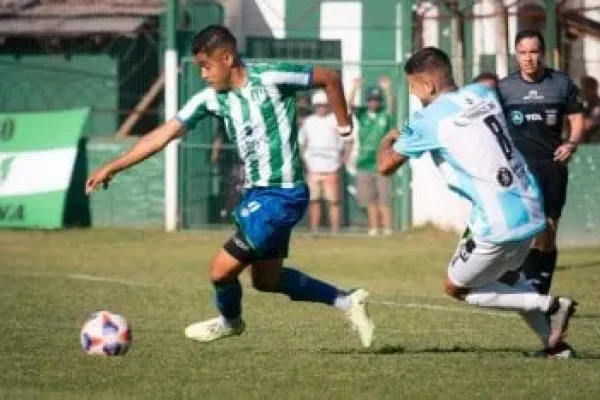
(536, 101)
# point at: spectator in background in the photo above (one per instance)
(487, 78)
(225, 158)
(303, 101)
(374, 191)
(591, 109)
(324, 152)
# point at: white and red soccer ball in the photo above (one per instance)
(105, 333)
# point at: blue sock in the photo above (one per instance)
(301, 287)
(228, 297)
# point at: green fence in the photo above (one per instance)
(135, 197)
(580, 223)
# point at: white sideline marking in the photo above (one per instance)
(434, 307)
(496, 313)
(94, 278)
(82, 277)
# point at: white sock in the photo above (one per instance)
(504, 297)
(538, 323)
(342, 302)
(536, 320)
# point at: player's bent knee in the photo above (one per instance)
(264, 286)
(510, 278)
(454, 291)
(266, 275)
(225, 266)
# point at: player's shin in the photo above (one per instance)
(531, 265)
(299, 286)
(546, 271)
(536, 320)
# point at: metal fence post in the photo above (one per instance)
(171, 156)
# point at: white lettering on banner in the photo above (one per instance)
(33, 172)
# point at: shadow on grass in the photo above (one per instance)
(587, 264)
(395, 350)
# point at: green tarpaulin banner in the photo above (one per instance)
(37, 159)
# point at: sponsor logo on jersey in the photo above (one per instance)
(551, 117)
(533, 95)
(505, 177)
(258, 94)
(517, 117)
(534, 117)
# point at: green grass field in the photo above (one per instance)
(427, 346)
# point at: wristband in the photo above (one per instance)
(344, 130)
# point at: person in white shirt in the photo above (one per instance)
(324, 152)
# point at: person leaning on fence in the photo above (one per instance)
(536, 102)
(374, 191)
(324, 152)
(591, 109)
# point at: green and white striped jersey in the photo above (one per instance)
(260, 118)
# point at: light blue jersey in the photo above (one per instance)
(466, 135)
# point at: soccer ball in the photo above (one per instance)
(105, 333)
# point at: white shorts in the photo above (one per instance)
(478, 263)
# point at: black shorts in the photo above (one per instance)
(239, 248)
(552, 179)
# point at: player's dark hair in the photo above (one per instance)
(213, 37)
(486, 76)
(430, 60)
(528, 34)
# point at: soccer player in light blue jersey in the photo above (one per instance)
(258, 106)
(464, 131)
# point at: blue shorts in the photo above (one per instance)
(266, 216)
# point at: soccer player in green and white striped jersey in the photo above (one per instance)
(258, 106)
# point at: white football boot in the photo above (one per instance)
(358, 316)
(214, 329)
(561, 312)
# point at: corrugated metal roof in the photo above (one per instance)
(70, 26)
(91, 9)
(80, 7)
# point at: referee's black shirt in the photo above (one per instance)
(535, 111)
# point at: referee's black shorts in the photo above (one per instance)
(552, 179)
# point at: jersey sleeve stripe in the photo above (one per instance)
(194, 109)
(289, 78)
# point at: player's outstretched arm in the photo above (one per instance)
(330, 81)
(148, 145)
(388, 159)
